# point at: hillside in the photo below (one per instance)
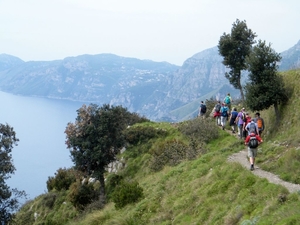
(206, 189)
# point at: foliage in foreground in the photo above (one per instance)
(9, 197)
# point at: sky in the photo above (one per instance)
(158, 30)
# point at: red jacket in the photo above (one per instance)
(252, 135)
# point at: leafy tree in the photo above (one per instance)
(97, 136)
(234, 48)
(265, 87)
(9, 198)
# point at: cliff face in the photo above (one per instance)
(158, 90)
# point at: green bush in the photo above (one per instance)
(112, 181)
(171, 153)
(49, 200)
(62, 180)
(126, 193)
(202, 130)
(139, 134)
(82, 194)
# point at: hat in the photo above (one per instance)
(243, 109)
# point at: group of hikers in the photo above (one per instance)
(249, 129)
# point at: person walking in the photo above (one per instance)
(240, 119)
(217, 113)
(228, 101)
(247, 120)
(252, 140)
(252, 127)
(260, 123)
(232, 120)
(202, 110)
(224, 115)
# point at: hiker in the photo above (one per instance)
(227, 101)
(217, 113)
(260, 123)
(202, 109)
(240, 119)
(247, 120)
(252, 140)
(224, 115)
(232, 120)
(252, 127)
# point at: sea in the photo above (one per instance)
(39, 124)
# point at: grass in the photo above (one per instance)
(208, 189)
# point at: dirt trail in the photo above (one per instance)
(241, 157)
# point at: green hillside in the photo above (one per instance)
(186, 178)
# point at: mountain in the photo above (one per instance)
(290, 58)
(103, 78)
(159, 90)
(9, 61)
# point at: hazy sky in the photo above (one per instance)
(159, 30)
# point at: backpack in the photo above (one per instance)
(203, 108)
(252, 128)
(253, 143)
(259, 123)
(224, 112)
(227, 100)
(243, 117)
(217, 108)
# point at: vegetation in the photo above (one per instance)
(9, 198)
(203, 189)
(96, 138)
(266, 87)
(235, 47)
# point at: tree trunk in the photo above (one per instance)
(277, 114)
(241, 89)
(102, 187)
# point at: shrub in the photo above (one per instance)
(112, 181)
(49, 200)
(82, 194)
(126, 193)
(202, 130)
(139, 134)
(171, 153)
(62, 180)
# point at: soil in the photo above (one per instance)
(242, 158)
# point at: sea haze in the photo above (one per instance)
(39, 123)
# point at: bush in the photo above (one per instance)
(49, 200)
(202, 130)
(62, 180)
(112, 181)
(82, 194)
(134, 118)
(171, 153)
(139, 134)
(126, 193)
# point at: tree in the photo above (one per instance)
(96, 137)
(265, 87)
(234, 48)
(9, 198)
